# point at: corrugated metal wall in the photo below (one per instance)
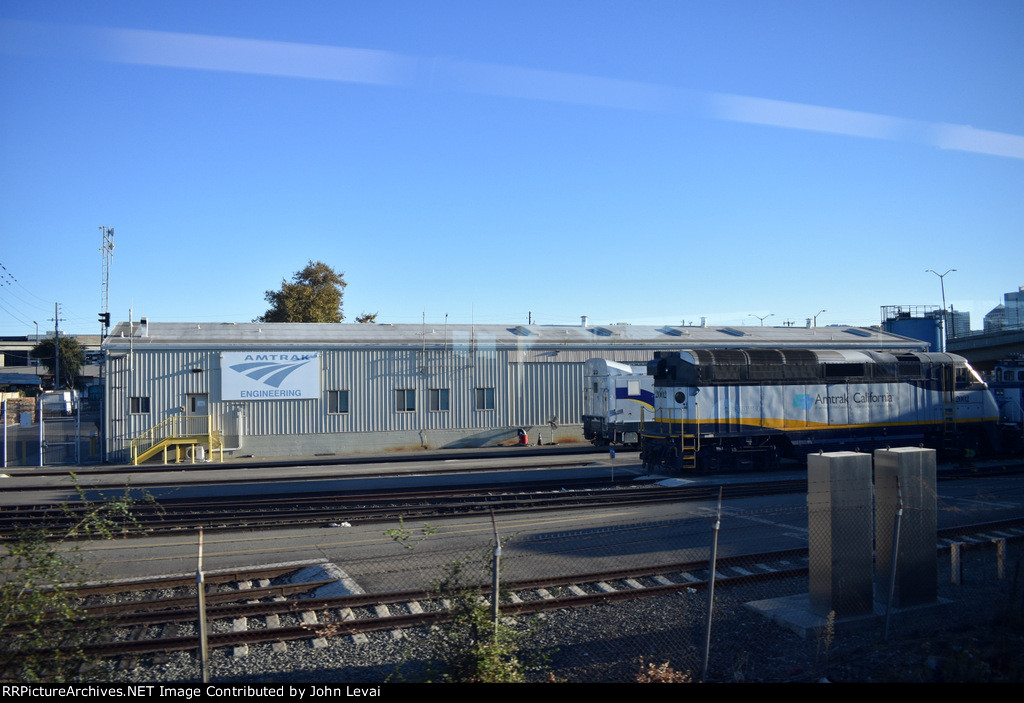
(371, 377)
(531, 388)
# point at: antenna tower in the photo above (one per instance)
(108, 254)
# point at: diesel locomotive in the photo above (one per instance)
(747, 409)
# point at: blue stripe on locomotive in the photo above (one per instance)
(645, 398)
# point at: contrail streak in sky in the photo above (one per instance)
(384, 68)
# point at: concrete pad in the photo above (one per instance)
(672, 482)
(795, 614)
(343, 585)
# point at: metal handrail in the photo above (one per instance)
(173, 427)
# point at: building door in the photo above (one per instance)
(197, 414)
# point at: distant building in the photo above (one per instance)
(1009, 315)
(1013, 304)
(995, 319)
(959, 323)
(16, 361)
(1001, 337)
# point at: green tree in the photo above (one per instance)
(313, 295)
(72, 358)
(367, 318)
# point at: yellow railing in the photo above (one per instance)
(175, 430)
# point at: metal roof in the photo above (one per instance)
(251, 335)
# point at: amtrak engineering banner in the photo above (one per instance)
(268, 375)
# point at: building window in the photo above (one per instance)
(139, 405)
(485, 399)
(405, 400)
(439, 400)
(337, 402)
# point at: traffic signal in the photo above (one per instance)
(105, 319)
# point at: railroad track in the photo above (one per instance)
(218, 514)
(317, 510)
(254, 610)
(329, 460)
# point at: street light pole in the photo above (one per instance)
(945, 324)
(762, 319)
(816, 316)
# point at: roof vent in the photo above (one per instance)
(733, 331)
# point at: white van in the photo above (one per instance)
(63, 402)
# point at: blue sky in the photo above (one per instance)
(647, 162)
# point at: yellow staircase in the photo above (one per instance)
(177, 434)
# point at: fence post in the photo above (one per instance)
(39, 414)
(1000, 558)
(78, 432)
(495, 578)
(711, 586)
(204, 662)
(956, 567)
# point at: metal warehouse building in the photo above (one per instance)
(262, 390)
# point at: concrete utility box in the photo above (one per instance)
(916, 565)
(839, 522)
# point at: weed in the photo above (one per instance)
(662, 673)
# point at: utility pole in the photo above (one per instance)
(56, 346)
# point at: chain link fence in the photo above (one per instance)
(35, 434)
(727, 598)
